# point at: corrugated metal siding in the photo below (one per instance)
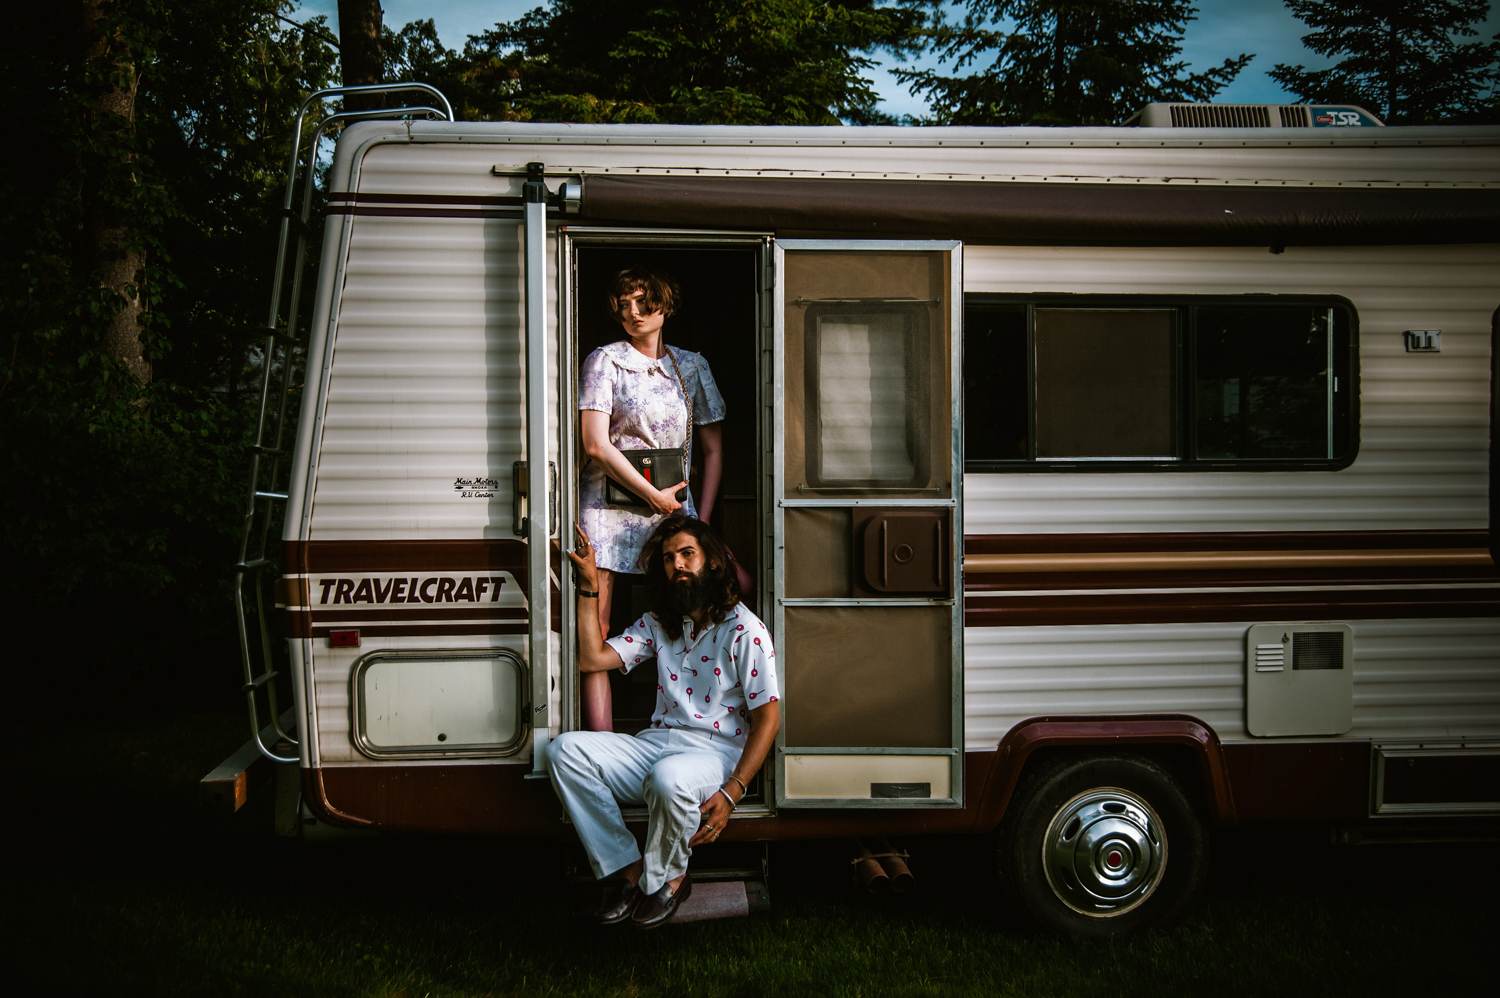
(426, 381)
(1423, 458)
(1086, 154)
(1412, 678)
(426, 386)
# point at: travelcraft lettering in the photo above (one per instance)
(416, 589)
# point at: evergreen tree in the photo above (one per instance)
(150, 206)
(1069, 62)
(1402, 60)
(782, 62)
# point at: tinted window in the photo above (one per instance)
(1104, 383)
(1265, 383)
(1098, 382)
(997, 396)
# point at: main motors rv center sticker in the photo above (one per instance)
(478, 487)
(488, 588)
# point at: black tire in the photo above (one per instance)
(1116, 815)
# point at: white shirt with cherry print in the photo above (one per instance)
(707, 680)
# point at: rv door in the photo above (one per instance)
(867, 524)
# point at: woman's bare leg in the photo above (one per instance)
(596, 705)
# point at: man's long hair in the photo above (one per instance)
(721, 589)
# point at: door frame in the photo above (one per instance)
(570, 238)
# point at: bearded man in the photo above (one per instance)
(715, 719)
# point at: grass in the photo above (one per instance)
(115, 886)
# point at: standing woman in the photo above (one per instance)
(637, 393)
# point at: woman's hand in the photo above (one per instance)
(582, 558)
(664, 500)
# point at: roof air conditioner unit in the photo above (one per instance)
(1253, 116)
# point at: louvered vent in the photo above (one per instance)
(1165, 115)
(1294, 116)
(1270, 657)
(1220, 116)
(1318, 650)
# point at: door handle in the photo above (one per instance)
(520, 506)
(518, 486)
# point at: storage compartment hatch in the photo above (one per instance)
(439, 704)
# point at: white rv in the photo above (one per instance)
(1100, 485)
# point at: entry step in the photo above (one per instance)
(722, 899)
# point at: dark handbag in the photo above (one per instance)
(659, 467)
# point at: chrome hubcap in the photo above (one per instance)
(1104, 852)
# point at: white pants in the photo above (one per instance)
(672, 772)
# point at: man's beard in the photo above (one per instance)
(686, 595)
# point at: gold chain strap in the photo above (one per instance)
(687, 446)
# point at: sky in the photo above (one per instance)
(1224, 29)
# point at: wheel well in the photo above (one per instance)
(1182, 762)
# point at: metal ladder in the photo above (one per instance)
(265, 487)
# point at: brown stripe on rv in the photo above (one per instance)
(1258, 540)
(1168, 561)
(1051, 213)
(1183, 608)
(997, 582)
(997, 562)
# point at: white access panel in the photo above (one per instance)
(1299, 679)
(444, 704)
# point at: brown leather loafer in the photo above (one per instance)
(657, 908)
(620, 900)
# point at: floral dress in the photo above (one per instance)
(647, 409)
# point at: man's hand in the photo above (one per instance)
(582, 558)
(715, 816)
(593, 654)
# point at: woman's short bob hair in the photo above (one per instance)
(659, 291)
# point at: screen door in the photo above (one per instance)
(867, 526)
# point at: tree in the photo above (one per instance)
(111, 42)
(1402, 60)
(789, 62)
(160, 136)
(1068, 62)
(360, 26)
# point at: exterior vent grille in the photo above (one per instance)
(1166, 115)
(1270, 657)
(1318, 650)
(1220, 116)
(1294, 116)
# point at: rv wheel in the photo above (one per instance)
(1101, 846)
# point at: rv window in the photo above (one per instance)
(1104, 383)
(1264, 383)
(868, 393)
(996, 375)
(1108, 382)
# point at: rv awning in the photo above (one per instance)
(1051, 213)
